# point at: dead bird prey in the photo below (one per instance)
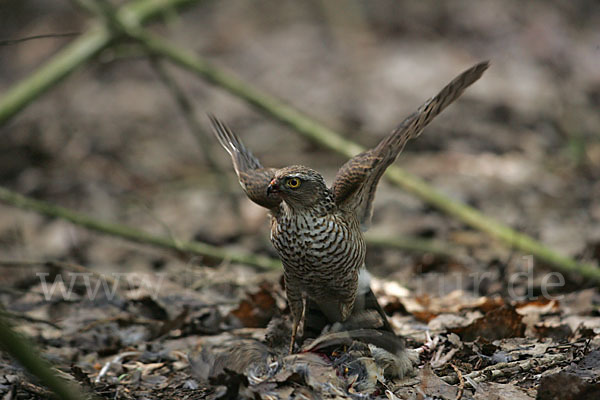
(316, 230)
(344, 362)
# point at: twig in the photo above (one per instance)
(58, 264)
(170, 243)
(27, 318)
(121, 320)
(461, 382)
(416, 245)
(194, 126)
(10, 42)
(334, 141)
(438, 360)
(129, 233)
(76, 53)
(34, 389)
(509, 369)
(116, 360)
(22, 350)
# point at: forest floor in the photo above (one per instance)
(130, 321)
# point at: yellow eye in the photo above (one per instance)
(293, 183)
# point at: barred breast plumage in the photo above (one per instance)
(322, 253)
(317, 230)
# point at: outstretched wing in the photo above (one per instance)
(252, 176)
(355, 183)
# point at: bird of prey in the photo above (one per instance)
(316, 230)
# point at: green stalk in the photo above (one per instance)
(327, 138)
(129, 233)
(27, 355)
(76, 53)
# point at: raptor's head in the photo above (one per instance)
(300, 187)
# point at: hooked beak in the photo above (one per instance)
(273, 187)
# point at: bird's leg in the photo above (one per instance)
(303, 315)
(296, 323)
(297, 302)
(293, 339)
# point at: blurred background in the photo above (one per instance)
(522, 145)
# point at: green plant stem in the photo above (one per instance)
(26, 354)
(327, 138)
(126, 232)
(197, 248)
(415, 245)
(76, 53)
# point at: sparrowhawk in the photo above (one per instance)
(316, 230)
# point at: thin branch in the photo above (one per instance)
(25, 352)
(116, 360)
(129, 233)
(10, 42)
(327, 138)
(66, 266)
(78, 52)
(197, 248)
(195, 127)
(28, 318)
(186, 109)
(461, 382)
(509, 369)
(417, 245)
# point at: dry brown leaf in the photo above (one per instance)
(499, 391)
(567, 386)
(257, 309)
(500, 323)
(434, 386)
